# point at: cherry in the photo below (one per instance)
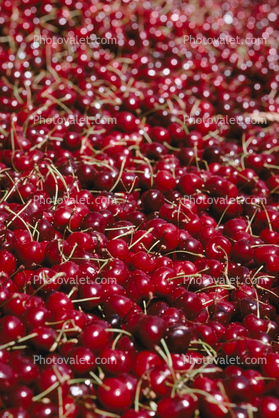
(222, 312)
(214, 407)
(150, 330)
(15, 412)
(212, 267)
(204, 333)
(44, 279)
(131, 102)
(144, 261)
(178, 338)
(242, 251)
(115, 361)
(192, 247)
(95, 221)
(58, 301)
(269, 237)
(31, 254)
(253, 323)
(145, 360)
(44, 339)
(218, 248)
(84, 360)
(11, 329)
(46, 230)
(212, 154)
(117, 272)
(91, 295)
(256, 381)
(140, 287)
(234, 331)
(114, 395)
(8, 262)
(94, 337)
(190, 304)
(157, 308)
(268, 407)
(189, 183)
(118, 248)
(120, 305)
(237, 388)
(177, 407)
(176, 132)
(169, 235)
(44, 410)
(164, 181)
(152, 200)
(204, 383)
(127, 122)
(160, 134)
(8, 377)
(26, 368)
(271, 366)
(238, 412)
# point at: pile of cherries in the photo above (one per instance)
(139, 237)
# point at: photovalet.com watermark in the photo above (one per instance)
(225, 120)
(75, 120)
(224, 360)
(92, 41)
(68, 201)
(222, 281)
(39, 359)
(74, 280)
(241, 200)
(222, 40)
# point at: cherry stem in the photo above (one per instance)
(98, 380)
(122, 331)
(46, 392)
(19, 340)
(137, 395)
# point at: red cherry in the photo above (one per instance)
(177, 407)
(269, 407)
(114, 395)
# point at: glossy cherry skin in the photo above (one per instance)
(115, 361)
(214, 409)
(269, 407)
(84, 360)
(26, 368)
(114, 395)
(94, 337)
(218, 248)
(237, 388)
(31, 254)
(177, 407)
(256, 382)
(45, 411)
(45, 338)
(145, 360)
(93, 292)
(58, 301)
(153, 200)
(190, 304)
(178, 338)
(8, 377)
(150, 330)
(8, 262)
(36, 316)
(270, 367)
